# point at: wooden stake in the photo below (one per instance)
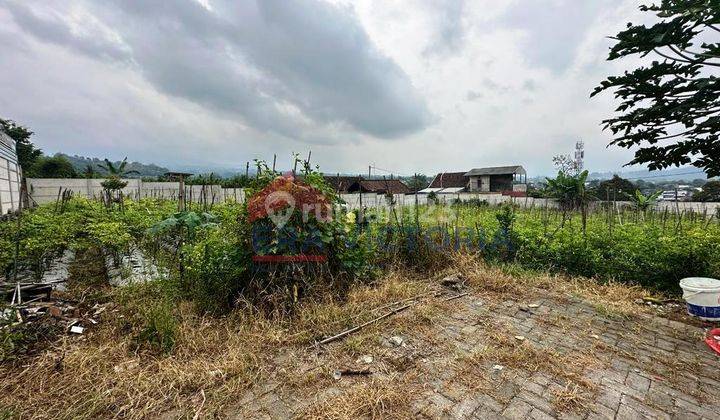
(455, 297)
(361, 326)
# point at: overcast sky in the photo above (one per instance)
(411, 85)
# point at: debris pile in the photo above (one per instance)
(70, 316)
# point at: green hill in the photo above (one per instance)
(145, 170)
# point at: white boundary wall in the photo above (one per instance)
(46, 190)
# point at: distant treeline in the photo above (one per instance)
(81, 164)
(236, 181)
(620, 189)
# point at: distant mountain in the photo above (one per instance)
(673, 174)
(82, 162)
(221, 171)
(686, 173)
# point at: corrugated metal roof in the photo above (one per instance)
(449, 179)
(497, 170)
(452, 190)
(381, 186)
(342, 184)
(429, 190)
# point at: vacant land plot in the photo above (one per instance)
(522, 345)
(208, 312)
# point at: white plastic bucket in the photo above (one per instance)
(702, 295)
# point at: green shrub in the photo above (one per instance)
(113, 236)
(216, 268)
(505, 242)
(160, 327)
(472, 202)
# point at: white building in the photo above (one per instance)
(10, 176)
(675, 195)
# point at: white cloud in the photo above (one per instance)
(416, 86)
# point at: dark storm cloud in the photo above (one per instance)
(284, 67)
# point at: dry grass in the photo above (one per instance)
(572, 397)
(374, 399)
(612, 298)
(524, 357)
(105, 374)
(217, 360)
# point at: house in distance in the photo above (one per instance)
(356, 184)
(506, 180)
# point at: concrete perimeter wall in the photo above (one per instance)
(402, 200)
(46, 190)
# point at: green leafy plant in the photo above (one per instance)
(113, 184)
(569, 190)
(160, 328)
(113, 236)
(216, 270)
(644, 202)
(117, 170)
(505, 242)
(185, 224)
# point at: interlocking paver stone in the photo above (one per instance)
(636, 374)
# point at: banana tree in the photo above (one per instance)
(644, 202)
(569, 190)
(117, 171)
(571, 194)
(114, 183)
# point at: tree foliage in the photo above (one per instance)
(566, 164)
(204, 179)
(569, 190)
(670, 109)
(417, 182)
(617, 187)
(52, 167)
(237, 181)
(89, 172)
(710, 192)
